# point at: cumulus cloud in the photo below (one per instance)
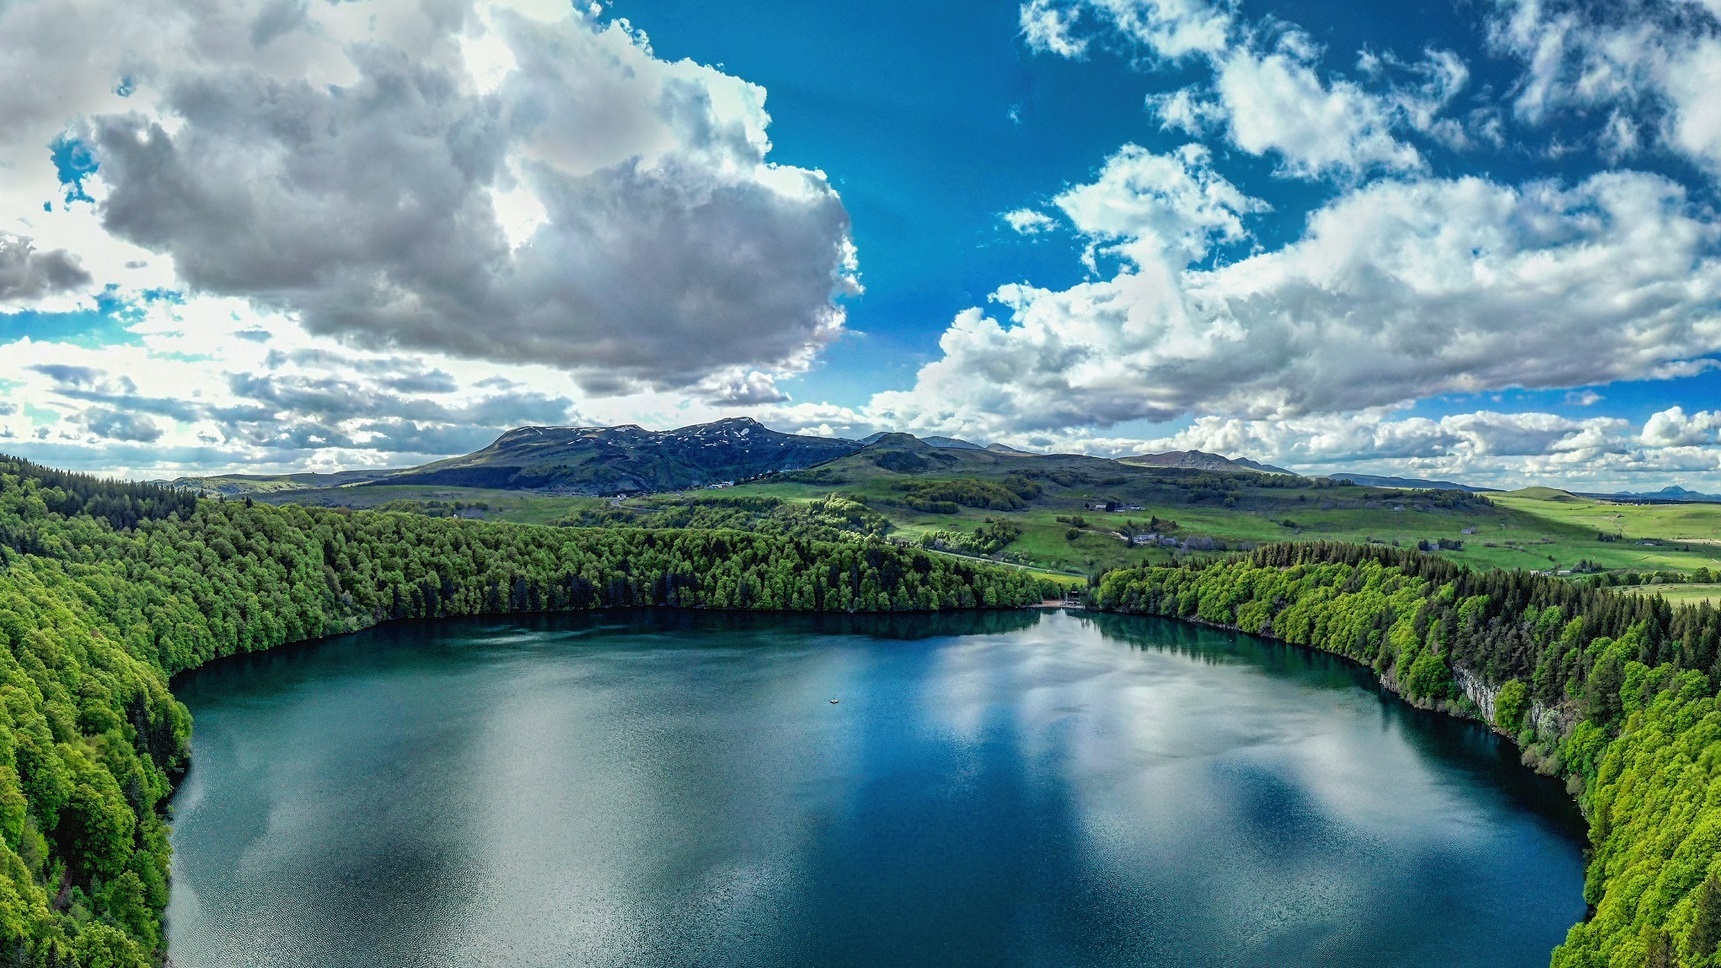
(196, 386)
(1481, 447)
(1163, 29)
(1278, 102)
(1026, 221)
(742, 390)
(1047, 26)
(1397, 291)
(1174, 201)
(27, 275)
(114, 425)
(1269, 94)
(514, 181)
(1657, 58)
(1459, 439)
(1674, 427)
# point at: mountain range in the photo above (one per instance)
(631, 459)
(610, 460)
(613, 460)
(1673, 494)
(1201, 461)
(1413, 483)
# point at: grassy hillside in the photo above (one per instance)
(1694, 594)
(1062, 525)
(1538, 529)
(240, 485)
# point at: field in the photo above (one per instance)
(523, 507)
(1682, 594)
(1066, 529)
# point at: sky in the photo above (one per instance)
(1461, 239)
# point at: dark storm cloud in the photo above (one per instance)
(26, 274)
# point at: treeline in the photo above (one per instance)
(1702, 576)
(987, 539)
(832, 518)
(121, 504)
(1616, 692)
(94, 620)
(949, 497)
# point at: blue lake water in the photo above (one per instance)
(1010, 789)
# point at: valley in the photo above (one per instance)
(1057, 520)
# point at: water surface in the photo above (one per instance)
(1012, 789)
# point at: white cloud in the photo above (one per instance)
(1660, 58)
(1278, 103)
(1482, 447)
(1397, 291)
(1673, 427)
(511, 181)
(1026, 221)
(1170, 29)
(1268, 92)
(1176, 202)
(209, 383)
(1047, 26)
(1184, 110)
(1460, 440)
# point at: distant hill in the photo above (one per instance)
(1201, 461)
(631, 459)
(1673, 494)
(239, 485)
(1548, 494)
(942, 443)
(611, 460)
(952, 443)
(1412, 483)
(906, 454)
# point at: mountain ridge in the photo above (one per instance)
(1411, 483)
(629, 459)
(1671, 494)
(1202, 461)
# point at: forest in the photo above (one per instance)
(1615, 692)
(107, 590)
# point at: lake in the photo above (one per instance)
(677, 789)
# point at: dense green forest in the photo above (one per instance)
(1615, 692)
(830, 518)
(107, 590)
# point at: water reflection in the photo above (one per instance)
(1015, 788)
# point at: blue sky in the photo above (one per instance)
(1457, 239)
